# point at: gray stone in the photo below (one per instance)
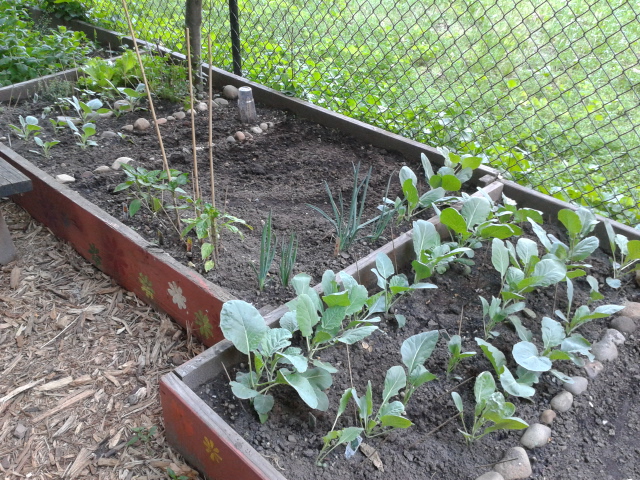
(102, 169)
(578, 386)
(537, 435)
(624, 324)
(518, 465)
(614, 336)
(161, 121)
(108, 114)
(604, 350)
(20, 431)
(141, 124)
(119, 161)
(255, 130)
(562, 402)
(264, 126)
(202, 107)
(230, 92)
(248, 136)
(221, 102)
(64, 178)
(171, 118)
(240, 136)
(86, 174)
(108, 134)
(128, 128)
(529, 313)
(3, 139)
(547, 417)
(490, 476)
(593, 369)
(230, 139)
(270, 124)
(631, 310)
(122, 105)
(179, 115)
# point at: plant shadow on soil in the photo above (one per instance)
(283, 170)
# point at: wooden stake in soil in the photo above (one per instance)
(196, 183)
(165, 162)
(214, 227)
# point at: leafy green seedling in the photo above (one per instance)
(146, 187)
(268, 244)
(433, 256)
(393, 286)
(491, 412)
(46, 146)
(88, 131)
(89, 110)
(142, 434)
(456, 355)
(132, 98)
(28, 126)
(288, 254)
(457, 170)
(520, 387)
(58, 125)
(412, 202)
(335, 438)
(625, 254)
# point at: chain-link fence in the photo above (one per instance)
(548, 90)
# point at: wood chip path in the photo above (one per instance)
(80, 360)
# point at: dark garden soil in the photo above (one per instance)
(280, 170)
(599, 438)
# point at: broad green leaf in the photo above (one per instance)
(526, 249)
(511, 423)
(242, 324)
(329, 283)
(384, 265)
(306, 315)
(571, 221)
(420, 375)
(428, 198)
(319, 378)
(274, 340)
(450, 183)
(393, 408)
(288, 321)
(550, 272)
(242, 391)
(324, 365)
(417, 349)
(526, 355)
(338, 299)
(495, 356)
(524, 333)
(407, 174)
(541, 234)
(134, 206)
(410, 192)
(344, 401)
(501, 231)
(584, 248)
(332, 318)
(263, 403)
(514, 388)
(457, 400)
(455, 345)
(613, 282)
(394, 380)
(426, 165)
(499, 256)
(552, 334)
(475, 210)
(299, 362)
(587, 219)
(425, 236)
(484, 387)
(302, 385)
(395, 421)
(355, 335)
(401, 319)
(453, 220)
(562, 376)
(471, 162)
(349, 434)
(577, 344)
(633, 248)
(608, 309)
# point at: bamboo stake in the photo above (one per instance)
(196, 183)
(165, 162)
(214, 226)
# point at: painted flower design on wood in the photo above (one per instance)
(212, 450)
(176, 295)
(146, 285)
(203, 324)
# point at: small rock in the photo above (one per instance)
(202, 107)
(108, 134)
(141, 124)
(624, 324)
(264, 126)
(230, 92)
(614, 336)
(3, 139)
(547, 417)
(188, 112)
(519, 467)
(102, 169)
(171, 118)
(537, 435)
(179, 115)
(74, 120)
(529, 313)
(121, 105)
(256, 130)
(604, 350)
(105, 115)
(292, 438)
(593, 368)
(240, 136)
(20, 431)
(270, 124)
(64, 178)
(562, 402)
(248, 136)
(128, 128)
(230, 139)
(578, 386)
(86, 175)
(490, 476)
(161, 121)
(220, 102)
(631, 310)
(119, 161)
(177, 359)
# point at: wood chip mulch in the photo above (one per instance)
(80, 360)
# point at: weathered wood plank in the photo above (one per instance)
(12, 181)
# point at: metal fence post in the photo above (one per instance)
(234, 21)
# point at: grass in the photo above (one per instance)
(549, 90)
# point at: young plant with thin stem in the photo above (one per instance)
(288, 256)
(268, 244)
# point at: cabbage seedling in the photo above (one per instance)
(626, 259)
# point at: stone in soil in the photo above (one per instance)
(202, 107)
(631, 310)
(64, 178)
(220, 102)
(179, 115)
(108, 134)
(547, 417)
(119, 161)
(121, 105)
(128, 128)
(20, 431)
(614, 336)
(562, 402)
(230, 139)
(240, 136)
(102, 169)
(604, 350)
(230, 92)
(593, 369)
(517, 466)
(490, 476)
(264, 126)
(141, 124)
(161, 121)
(537, 435)
(624, 324)
(578, 386)
(256, 130)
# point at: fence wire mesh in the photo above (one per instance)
(547, 90)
